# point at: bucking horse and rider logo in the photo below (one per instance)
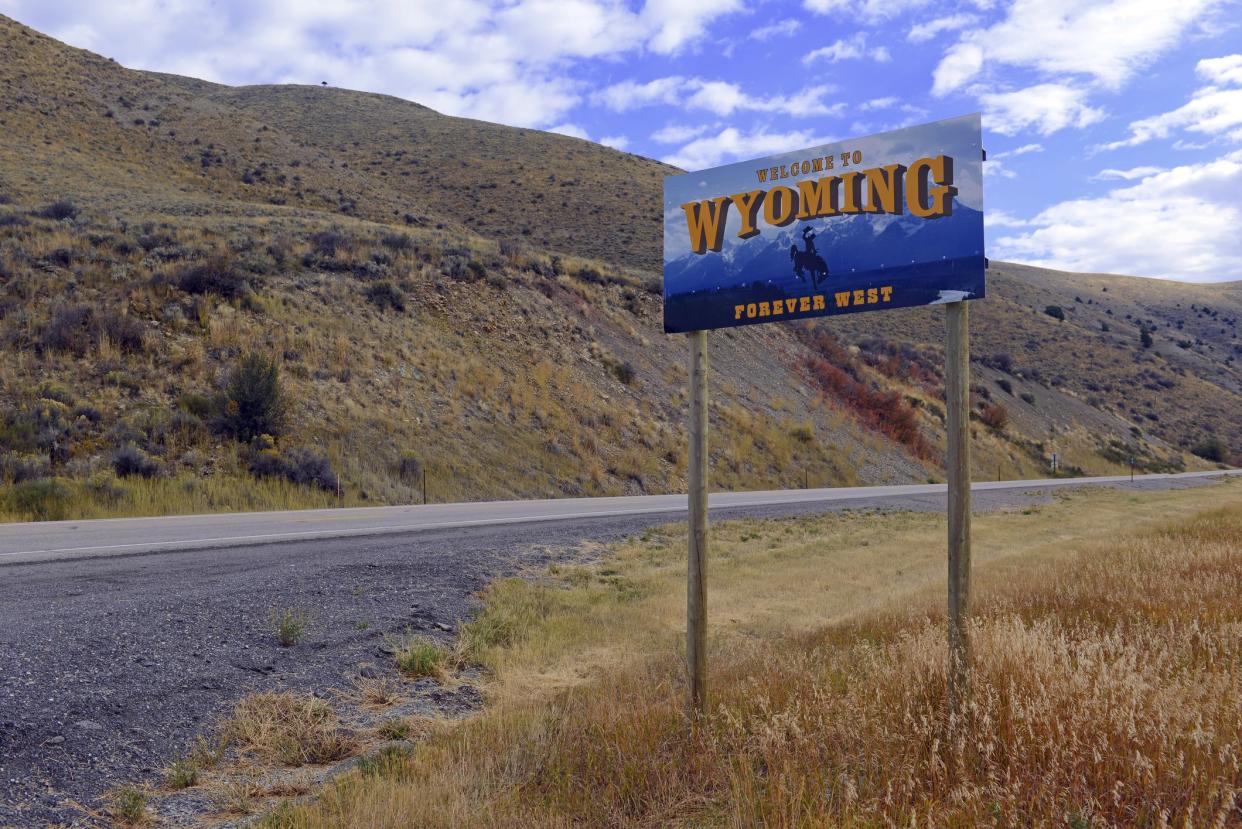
(809, 259)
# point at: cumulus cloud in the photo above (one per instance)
(617, 142)
(731, 144)
(1129, 229)
(1044, 108)
(1106, 41)
(503, 60)
(1211, 111)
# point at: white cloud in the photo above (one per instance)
(731, 144)
(1211, 110)
(1025, 149)
(874, 11)
(1226, 70)
(850, 48)
(782, 29)
(1112, 174)
(995, 165)
(572, 130)
(878, 103)
(961, 63)
(627, 95)
(1128, 230)
(1045, 108)
(678, 22)
(503, 60)
(1106, 40)
(719, 97)
(676, 134)
(923, 32)
(825, 6)
(617, 142)
(999, 218)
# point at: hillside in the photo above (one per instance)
(480, 303)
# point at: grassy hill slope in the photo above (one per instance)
(482, 303)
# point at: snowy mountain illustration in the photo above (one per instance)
(849, 244)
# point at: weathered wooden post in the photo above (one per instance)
(696, 570)
(957, 400)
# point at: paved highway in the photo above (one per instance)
(55, 540)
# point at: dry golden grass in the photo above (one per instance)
(287, 729)
(1107, 685)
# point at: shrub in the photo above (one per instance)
(288, 625)
(624, 372)
(58, 210)
(70, 329)
(994, 415)
(17, 468)
(254, 402)
(130, 461)
(386, 295)
(397, 241)
(477, 269)
(310, 468)
(410, 468)
(45, 499)
(127, 333)
(215, 276)
(328, 242)
(1145, 338)
(1211, 449)
(1028, 397)
(1005, 386)
(1055, 311)
(299, 465)
(199, 405)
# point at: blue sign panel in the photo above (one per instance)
(887, 221)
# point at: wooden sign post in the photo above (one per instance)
(957, 400)
(696, 571)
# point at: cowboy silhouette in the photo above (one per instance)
(808, 259)
(808, 239)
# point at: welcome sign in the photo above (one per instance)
(887, 221)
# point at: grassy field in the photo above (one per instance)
(1108, 681)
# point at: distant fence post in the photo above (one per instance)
(696, 569)
(957, 398)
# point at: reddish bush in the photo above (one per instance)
(994, 415)
(835, 371)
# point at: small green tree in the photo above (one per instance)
(1145, 337)
(254, 402)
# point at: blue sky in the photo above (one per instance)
(1114, 128)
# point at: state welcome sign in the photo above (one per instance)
(887, 221)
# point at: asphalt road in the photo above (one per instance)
(54, 540)
(120, 641)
